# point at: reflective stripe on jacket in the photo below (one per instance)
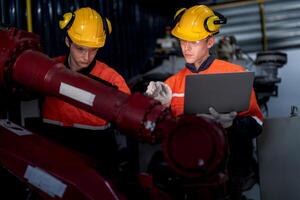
(82, 126)
(177, 84)
(66, 114)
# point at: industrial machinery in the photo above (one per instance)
(265, 66)
(266, 80)
(194, 149)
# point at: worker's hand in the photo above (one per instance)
(160, 92)
(224, 119)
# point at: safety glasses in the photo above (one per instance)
(192, 43)
(189, 43)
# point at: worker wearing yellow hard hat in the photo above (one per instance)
(197, 23)
(195, 29)
(86, 27)
(86, 31)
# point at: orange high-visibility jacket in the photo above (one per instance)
(66, 114)
(177, 84)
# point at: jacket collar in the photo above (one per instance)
(205, 65)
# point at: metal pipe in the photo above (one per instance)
(29, 15)
(263, 24)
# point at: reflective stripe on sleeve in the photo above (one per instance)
(178, 95)
(89, 127)
(76, 125)
(54, 122)
(257, 120)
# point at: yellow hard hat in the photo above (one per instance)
(197, 23)
(86, 27)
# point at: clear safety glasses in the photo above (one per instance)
(190, 43)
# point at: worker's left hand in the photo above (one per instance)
(225, 120)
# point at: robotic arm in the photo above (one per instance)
(193, 147)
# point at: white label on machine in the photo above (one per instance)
(77, 94)
(18, 130)
(45, 181)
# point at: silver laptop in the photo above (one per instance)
(225, 92)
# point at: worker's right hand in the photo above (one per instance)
(160, 92)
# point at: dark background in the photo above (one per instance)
(135, 26)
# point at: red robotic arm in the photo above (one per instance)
(192, 146)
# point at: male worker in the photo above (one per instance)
(195, 29)
(86, 32)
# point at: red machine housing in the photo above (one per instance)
(33, 159)
(193, 147)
